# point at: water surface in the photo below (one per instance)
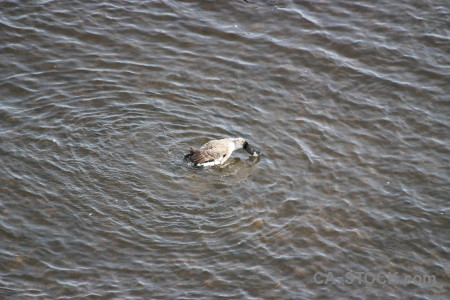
(347, 100)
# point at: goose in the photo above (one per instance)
(216, 152)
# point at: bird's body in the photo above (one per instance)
(216, 152)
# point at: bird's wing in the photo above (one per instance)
(209, 152)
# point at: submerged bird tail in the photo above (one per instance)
(189, 155)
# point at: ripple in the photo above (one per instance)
(101, 101)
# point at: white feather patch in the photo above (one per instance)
(209, 163)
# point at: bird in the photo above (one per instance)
(216, 152)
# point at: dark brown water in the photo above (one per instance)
(347, 100)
